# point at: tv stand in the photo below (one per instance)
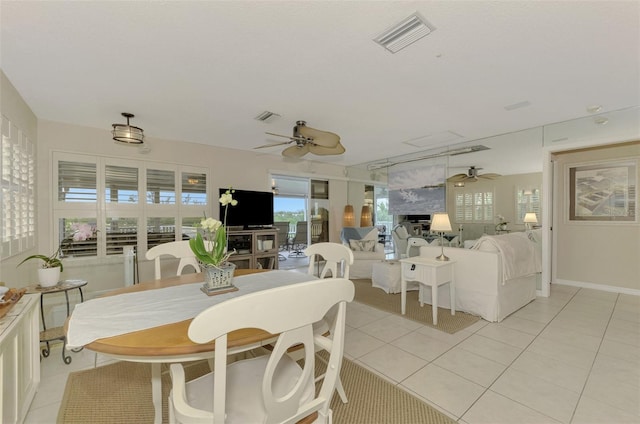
(255, 248)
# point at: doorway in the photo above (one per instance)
(301, 214)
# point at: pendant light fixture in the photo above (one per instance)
(127, 134)
(348, 218)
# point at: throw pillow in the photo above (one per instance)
(362, 245)
(371, 235)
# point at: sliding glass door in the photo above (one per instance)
(301, 214)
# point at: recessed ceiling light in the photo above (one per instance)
(601, 120)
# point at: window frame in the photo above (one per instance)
(101, 210)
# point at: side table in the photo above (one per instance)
(56, 333)
(428, 272)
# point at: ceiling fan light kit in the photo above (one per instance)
(127, 134)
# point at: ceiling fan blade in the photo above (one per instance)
(321, 138)
(296, 151)
(489, 176)
(292, 138)
(457, 178)
(272, 145)
(326, 151)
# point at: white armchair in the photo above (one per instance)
(363, 242)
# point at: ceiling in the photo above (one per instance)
(201, 71)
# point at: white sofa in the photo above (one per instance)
(363, 260)
(485, 284)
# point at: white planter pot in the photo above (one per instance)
(49, 277)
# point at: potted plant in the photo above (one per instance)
(49, 272)
(213, 256)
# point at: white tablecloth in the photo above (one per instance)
(114, 315)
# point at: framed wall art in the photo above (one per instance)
(603, 191)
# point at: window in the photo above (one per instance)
(105, 194)
(17, 195)
(528, 200)
(474, 206)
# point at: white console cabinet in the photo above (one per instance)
(19, 359)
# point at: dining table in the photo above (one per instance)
(137, 323)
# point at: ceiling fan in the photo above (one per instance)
(308, 140)
(472, 176)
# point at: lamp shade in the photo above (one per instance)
(530, 217)
(440, 222)
(348, 219)
(127, 134)
(365, 217)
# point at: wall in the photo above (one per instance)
(598, 253)
(14, 108)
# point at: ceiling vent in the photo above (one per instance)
(404, 33)
(267, 117)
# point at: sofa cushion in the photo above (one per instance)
(363, 245)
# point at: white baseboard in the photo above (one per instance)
(603, 287)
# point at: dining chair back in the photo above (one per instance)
(336, 257)
(177, 249)
(270, 388)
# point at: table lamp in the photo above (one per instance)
(529, 219)
(440, 223)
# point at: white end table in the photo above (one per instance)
(428, 272)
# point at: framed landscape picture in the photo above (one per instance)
(603, 191)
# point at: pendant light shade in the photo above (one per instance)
(127, 134)
(348, 218)
(365, 217)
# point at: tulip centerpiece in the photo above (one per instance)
(210, 248)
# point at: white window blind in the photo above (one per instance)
(194, 188)
(474, 206)
(77, 182)
(106, 193)
(121, 184)
(17, 195)
(161, 187)
(528, 200)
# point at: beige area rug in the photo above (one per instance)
(121, 393)
(373, 296)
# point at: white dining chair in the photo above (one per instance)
(337, 260)
(336, 257)
(176, 249)
(270, 388)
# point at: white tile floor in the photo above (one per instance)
(571, 358)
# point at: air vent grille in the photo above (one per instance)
(404, 33)
(267, 117)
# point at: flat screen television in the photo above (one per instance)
(254, 209)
